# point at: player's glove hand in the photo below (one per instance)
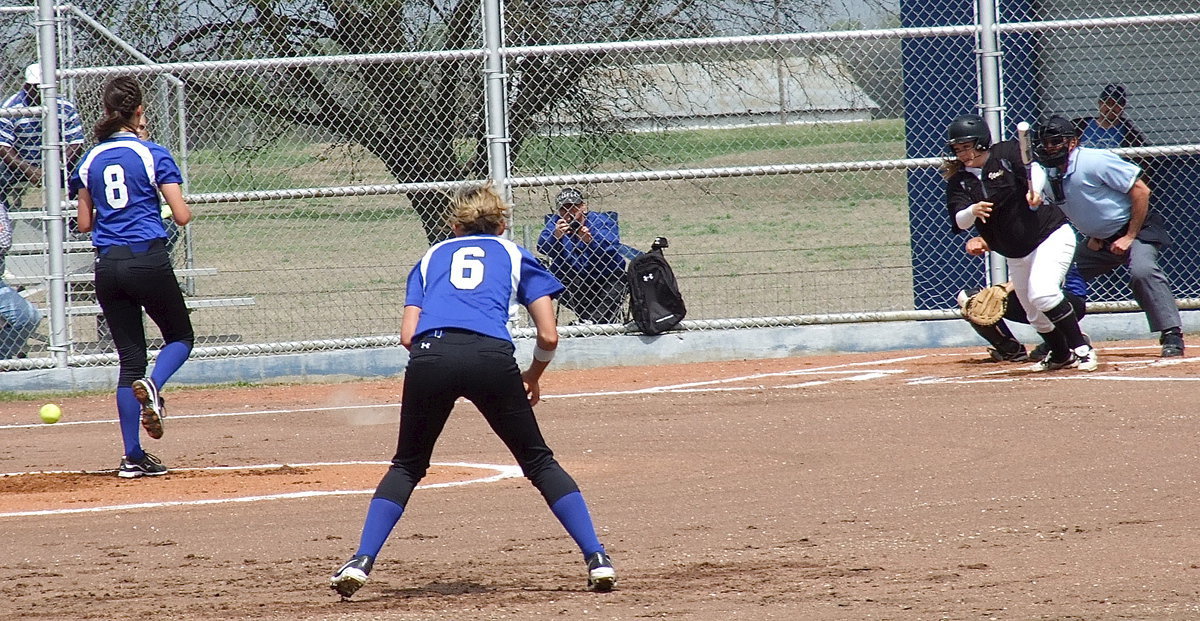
(987, 307)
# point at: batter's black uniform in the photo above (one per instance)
(1013, 230)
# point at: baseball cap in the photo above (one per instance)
(33, 74)
(568, 196)
(1115, 92)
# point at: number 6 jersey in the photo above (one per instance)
(123, 174)
(476, 282)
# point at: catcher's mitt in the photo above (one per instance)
(987, 307)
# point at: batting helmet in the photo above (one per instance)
(968, 128)
(1052, 135)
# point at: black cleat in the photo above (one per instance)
(1046, 364)
(1004, 356)
(147, 466)
(1172, 344)
(351, 576)
(601, 575)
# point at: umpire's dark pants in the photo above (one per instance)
(129, 279)
(444, 365)
(1146, 278)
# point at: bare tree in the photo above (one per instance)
(417, 117)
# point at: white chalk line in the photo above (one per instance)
(113, 421)
(844, 372)
(837, 369)
(1017, 372)
(840, 369)
(502, 472)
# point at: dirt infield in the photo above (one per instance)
(902, 485)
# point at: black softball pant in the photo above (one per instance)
(444, 365)
(128, 281)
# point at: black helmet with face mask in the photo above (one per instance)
(1051, 138)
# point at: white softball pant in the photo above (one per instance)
(1038, 276)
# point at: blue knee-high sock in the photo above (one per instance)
(572, 512)
(129, 414)
(169, 359)
(382, 516)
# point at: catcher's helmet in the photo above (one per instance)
(968, 128)
(1051, 136)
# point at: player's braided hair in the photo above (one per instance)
(951, 167)
(121, 97)
(478, 209)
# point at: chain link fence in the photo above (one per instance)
(788, 151)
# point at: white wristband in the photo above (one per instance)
(965, 218)
(542, 355)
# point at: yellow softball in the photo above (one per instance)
(50, 413)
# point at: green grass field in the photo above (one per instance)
(741, 246)
(744, 246)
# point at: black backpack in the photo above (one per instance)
(654, 298)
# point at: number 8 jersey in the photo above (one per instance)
(123, 174)
(476, 283)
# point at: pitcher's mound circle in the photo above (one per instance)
(40, 493)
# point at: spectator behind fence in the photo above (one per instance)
(1110, 128)
(586, 255)
(21, 137)
(20, 317)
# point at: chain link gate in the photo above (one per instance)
(790, 159)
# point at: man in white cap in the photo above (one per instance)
(21, 137)
(21, 163)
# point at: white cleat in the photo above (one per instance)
(1087, 358)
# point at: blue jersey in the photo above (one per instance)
(123, 174)
(476, 283)
(1101, 138)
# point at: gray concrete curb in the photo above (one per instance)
(615, 351)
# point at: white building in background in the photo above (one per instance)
(728, 93)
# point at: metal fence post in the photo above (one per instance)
(52, 179)
(496, 99)
(990, 105)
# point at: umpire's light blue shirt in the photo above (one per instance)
(1096, 187)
